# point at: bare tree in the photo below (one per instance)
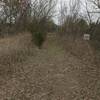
(69, 16)
(16, 11)
(42, 12)
(19, 13)
(93, 6)
(97, 5)
(92, 14)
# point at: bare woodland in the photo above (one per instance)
(43, 54)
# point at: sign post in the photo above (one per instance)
(86, 37)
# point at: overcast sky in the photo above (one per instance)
(82, 9)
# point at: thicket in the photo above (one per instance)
(34, 16)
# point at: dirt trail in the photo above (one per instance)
(49, 74)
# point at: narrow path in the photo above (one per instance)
(53, 72)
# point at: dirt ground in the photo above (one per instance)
(51, 73)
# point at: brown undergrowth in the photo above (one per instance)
(89, 75)
(14, 50)
(56, 72)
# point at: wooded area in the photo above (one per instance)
(75, 18)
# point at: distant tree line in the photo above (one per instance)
(19, 13)
(14, 14)
(78, 18)
(75, 18)
(30, 15)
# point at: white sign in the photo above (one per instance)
(86, 36)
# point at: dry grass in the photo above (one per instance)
(27, 73)
(79, 48)
(14, 50)
(89, 74)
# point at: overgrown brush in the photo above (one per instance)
(38, 39)
(14, 50)
(38, 32)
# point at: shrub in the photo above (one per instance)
(38, 38)
(38, 34)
